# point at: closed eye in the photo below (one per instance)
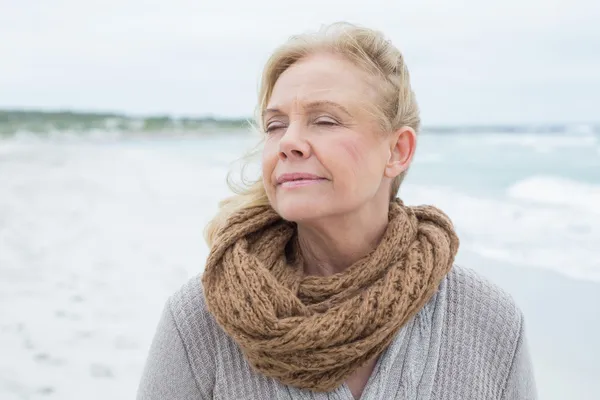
(274, 127)
(326, 121)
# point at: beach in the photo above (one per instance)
(95, 235)
(562, 322)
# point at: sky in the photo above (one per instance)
(471, 61)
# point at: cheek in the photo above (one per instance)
(352, 150)
(268, 160)
(344, 161)
(357, 160)
(360, 157)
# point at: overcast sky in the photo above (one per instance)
(471, 61)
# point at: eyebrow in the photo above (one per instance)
(311, 106)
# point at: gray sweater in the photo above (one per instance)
(467, 342)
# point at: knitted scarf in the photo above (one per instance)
(313, 332)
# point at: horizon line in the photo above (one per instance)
(221, 118)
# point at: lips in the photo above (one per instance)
(298, 178)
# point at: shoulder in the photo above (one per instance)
(180, 362)
(197, 327)
(482, 329)
(215, 359)
(479, 301)
(190, 312)
(189, 298)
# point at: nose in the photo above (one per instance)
(293, 144)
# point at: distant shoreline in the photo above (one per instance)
(14, 121)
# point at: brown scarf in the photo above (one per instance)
(313, 332)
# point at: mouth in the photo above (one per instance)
(298, 179)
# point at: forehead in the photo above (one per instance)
(322, 77)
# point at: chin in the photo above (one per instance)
(300, 209)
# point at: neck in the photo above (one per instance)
(333, 244)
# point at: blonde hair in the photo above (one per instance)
(366, 48)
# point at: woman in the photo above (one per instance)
(320, 283)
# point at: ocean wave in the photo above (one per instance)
(576, 265)
(538, 235)
(543, 143)
(557, 191)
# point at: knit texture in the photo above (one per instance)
(313, 332)
(467, 342)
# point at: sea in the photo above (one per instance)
(98, 228)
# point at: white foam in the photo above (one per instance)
(558, 191)
(9, 147)
(541, 143)
(582, 264)
(560, 238)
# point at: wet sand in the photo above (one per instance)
(562, 317)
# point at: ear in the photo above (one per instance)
(403, 144)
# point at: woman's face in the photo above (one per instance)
(324, 154)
